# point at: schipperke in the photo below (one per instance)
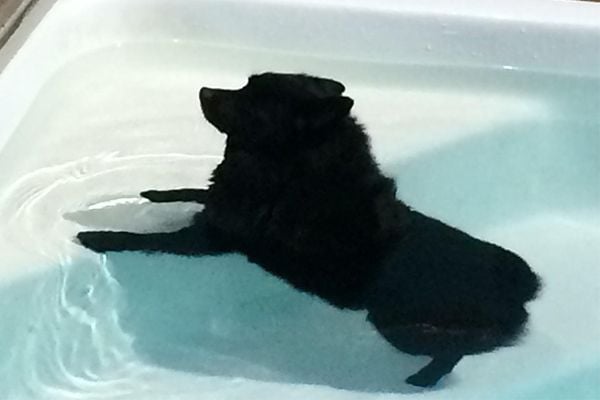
(300, 194)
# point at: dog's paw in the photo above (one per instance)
(97, 241)
(421, 380)
(152, 195)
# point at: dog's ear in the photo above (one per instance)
(322, 112)
(330, 87)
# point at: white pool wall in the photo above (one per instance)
(540, 35)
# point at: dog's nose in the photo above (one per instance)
(206, 94)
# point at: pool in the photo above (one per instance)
(100, 102)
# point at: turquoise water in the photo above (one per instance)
(510, 156)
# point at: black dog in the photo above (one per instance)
(299, 193)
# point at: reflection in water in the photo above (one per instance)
(65, 336)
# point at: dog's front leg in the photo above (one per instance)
(193, 241)
(168, 196)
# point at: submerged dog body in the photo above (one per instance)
(299, 193)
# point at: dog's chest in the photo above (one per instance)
(243, 193)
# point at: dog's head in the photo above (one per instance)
(276, 111)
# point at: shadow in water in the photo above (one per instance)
(224, 316)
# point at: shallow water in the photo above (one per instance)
(510, 156)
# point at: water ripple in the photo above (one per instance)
(61, 301)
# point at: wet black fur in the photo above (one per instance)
(299, 193)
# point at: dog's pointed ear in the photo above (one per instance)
(324, 111)
(331, 87)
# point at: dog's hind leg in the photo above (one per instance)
(440, 366)
(446, 346)
(167, 196)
